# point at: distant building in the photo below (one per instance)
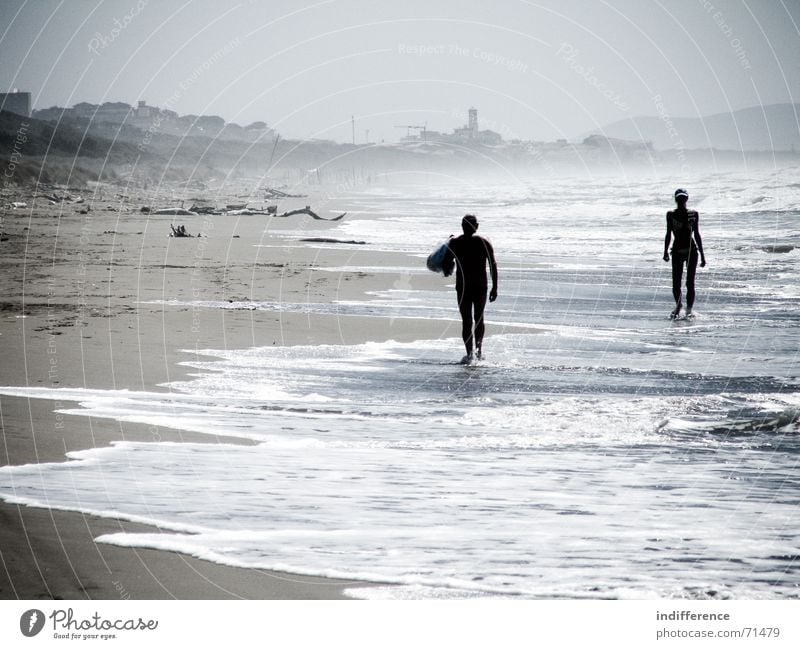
(16, 102)
(111, 111)
(471, 132)
(143, 111)
(472, 123)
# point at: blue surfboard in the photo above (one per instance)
(436, 260)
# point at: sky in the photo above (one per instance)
(539, 70)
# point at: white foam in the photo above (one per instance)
(592, 460)
(529, 523)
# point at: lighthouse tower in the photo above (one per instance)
(472, 124)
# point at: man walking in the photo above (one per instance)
(471, 253)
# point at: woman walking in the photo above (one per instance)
(683, 225)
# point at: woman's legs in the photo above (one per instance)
(677, 275)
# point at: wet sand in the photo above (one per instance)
(87, 303)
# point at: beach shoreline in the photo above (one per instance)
(104, 303)
(378, 455)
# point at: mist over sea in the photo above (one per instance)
(600, 449)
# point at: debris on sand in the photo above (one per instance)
(55, 198)
(180, 231)
(780, 248)
(276, 193)
(330, 240)
(307, 210)
(174, 211)
(204, 209)
(249, 211)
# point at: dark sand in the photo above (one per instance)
(75, 313)
(51, 554)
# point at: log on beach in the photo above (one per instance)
(307, 210)
(174, 211)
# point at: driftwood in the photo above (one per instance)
(307, 210)
(204, 209)
(174, 211)
(330, 240)
(276, 193)
(180, 231)
(245, 212)
(250, 211)
(778, 248)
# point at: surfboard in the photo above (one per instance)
(436, 259)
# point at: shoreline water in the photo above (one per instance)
(602, 458)
(75, 315)
(52, 554)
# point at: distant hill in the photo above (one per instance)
(37, 138)
(761, 128)
(76, 151)
(32, 150)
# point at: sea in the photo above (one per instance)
(599, 450)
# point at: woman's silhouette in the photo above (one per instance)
(683, 225)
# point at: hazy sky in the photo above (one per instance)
(534, 69)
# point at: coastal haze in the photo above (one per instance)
(536, 71)
(272, 405)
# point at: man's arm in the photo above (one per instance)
(493, 271)
(698, 240)
(667, 239)
(448, 264)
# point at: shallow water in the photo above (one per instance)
(616, 454)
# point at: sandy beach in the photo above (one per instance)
(86, 303)
(291, 414)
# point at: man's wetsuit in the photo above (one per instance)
(682, 225)
(471, 253)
